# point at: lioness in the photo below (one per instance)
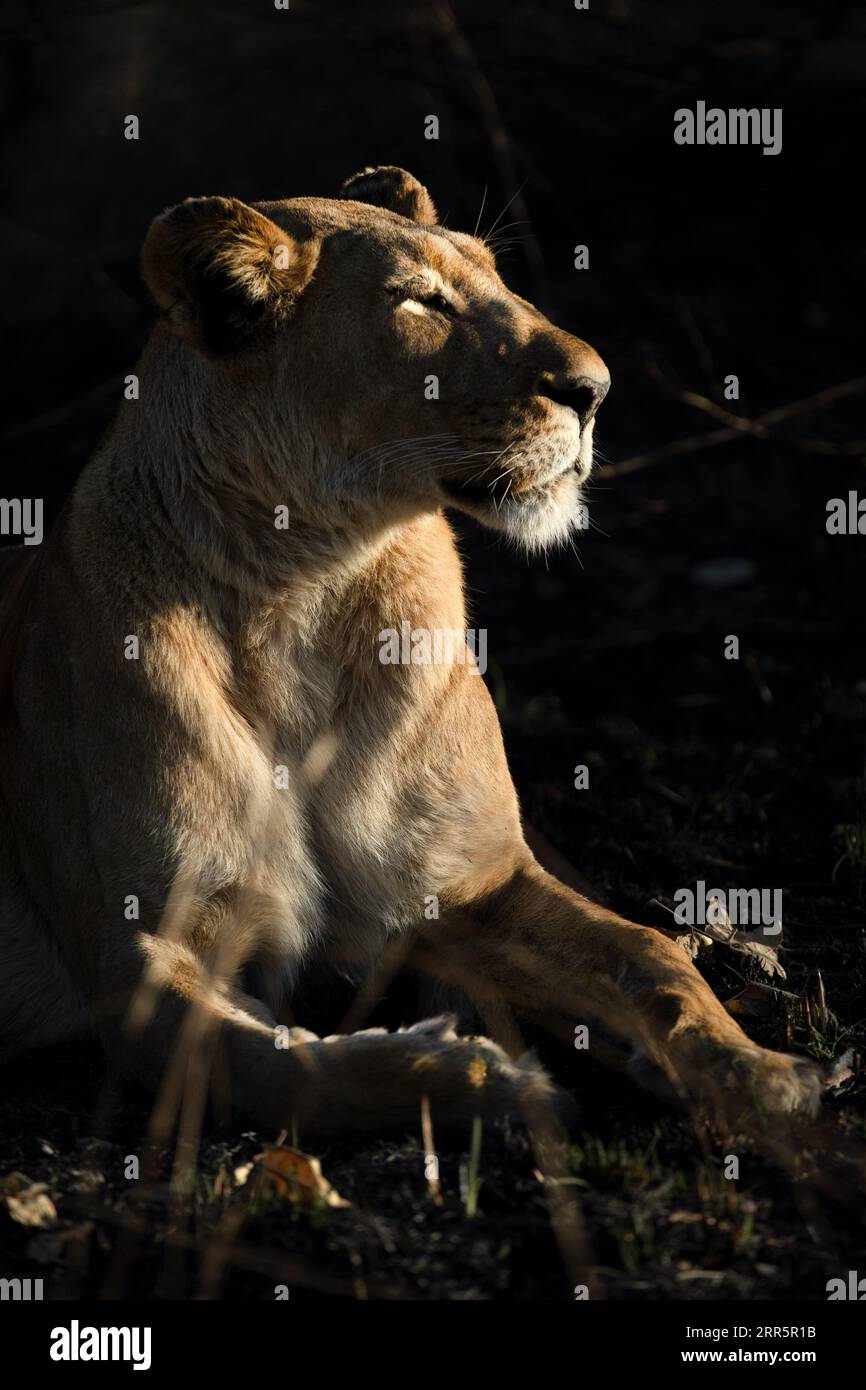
(210, 780)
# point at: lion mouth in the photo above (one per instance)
(499, 489)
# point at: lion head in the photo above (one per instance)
(373, 361)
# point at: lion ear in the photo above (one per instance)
(220, 272)
(393, 188)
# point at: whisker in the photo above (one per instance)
(480, 211)
(514, 195)
(502, 501)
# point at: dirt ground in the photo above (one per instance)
(737, 772)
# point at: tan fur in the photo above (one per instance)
(289, 370)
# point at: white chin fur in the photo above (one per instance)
(538, 523)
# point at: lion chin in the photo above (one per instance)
(540, 519)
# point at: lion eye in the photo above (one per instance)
(421, 303)
(439, 303)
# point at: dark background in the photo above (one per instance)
(703, 262)
(760, 257)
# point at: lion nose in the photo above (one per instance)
(582, 394)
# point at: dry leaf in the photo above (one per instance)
(295, 1177)
(691, 939)
(28, 1203)
(757, 1000)
(692, 942)
(841, 1071)
(723, 931)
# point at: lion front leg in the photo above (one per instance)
(182, 1028)
(536, 948)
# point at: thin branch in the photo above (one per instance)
(738, 425)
